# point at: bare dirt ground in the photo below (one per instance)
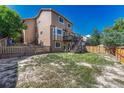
(112, 76)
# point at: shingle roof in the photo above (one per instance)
(47, 9)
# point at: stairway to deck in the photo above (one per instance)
(77, 46)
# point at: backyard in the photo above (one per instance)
(62, 70)
(94, 62)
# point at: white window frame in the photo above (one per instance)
(57, 42)
(56, 34)
(59, 20)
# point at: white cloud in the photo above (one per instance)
(88, 35)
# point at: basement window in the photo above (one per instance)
(57, 45)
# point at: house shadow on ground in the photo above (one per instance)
(8, 73)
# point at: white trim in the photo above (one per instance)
(61, 32)
(56, 35)
(57, 42)
(56, 28)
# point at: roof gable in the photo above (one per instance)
(48, 9)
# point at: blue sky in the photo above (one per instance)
(85, 18)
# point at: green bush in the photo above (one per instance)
(113, 39)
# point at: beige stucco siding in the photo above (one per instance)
(30, 32)
(55, 22)
(43, 27)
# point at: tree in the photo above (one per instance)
(114, 36)
(119, 25)
(10, 23)
(95, 38)
(113, 39)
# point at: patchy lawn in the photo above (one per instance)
(63, 70)
(69, 70)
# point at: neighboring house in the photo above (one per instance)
(49, 28)
(86, 37)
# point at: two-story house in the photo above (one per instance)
(49, 28)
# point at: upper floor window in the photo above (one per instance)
(69, 25)
(61, 20)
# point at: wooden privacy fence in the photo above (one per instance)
(118, 52)
(98, 49)
(3, 42)
(18, 51)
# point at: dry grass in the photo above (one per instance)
(59, 70)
